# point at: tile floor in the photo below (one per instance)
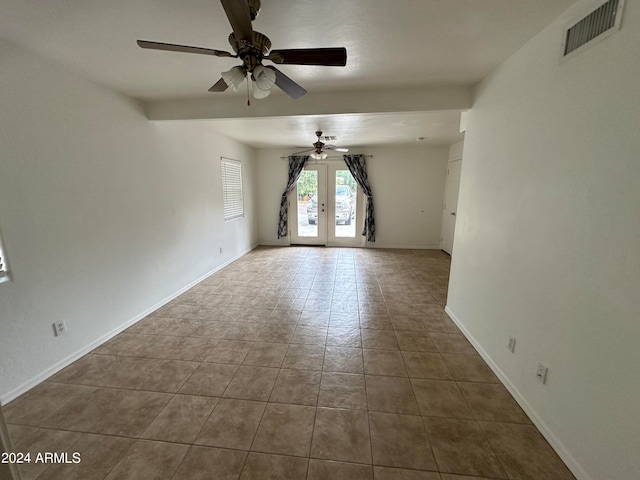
(291, 363)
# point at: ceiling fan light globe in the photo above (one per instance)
(265, 77)
(234, 77)
(259, 93)
(319, 156)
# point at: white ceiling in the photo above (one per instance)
(357, 130)
(391, 44)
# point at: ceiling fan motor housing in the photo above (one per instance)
(319, 146)
(251, 53)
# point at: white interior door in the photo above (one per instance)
(450, 206)
(308, 207)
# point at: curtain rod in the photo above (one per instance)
(330, 156)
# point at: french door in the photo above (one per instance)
(309, 202)
(328, 207)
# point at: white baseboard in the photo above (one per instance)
(555, 443)
(275, 243)
(401, 247)
(41, 377)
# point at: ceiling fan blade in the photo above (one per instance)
(332, 57)
(239, 17)
(183, 48)
(220, 86)
(287, 85)
(337, 149)
(304, 151)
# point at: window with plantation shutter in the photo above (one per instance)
(4, 270)
(232, 189)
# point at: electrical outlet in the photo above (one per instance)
(512, 344)
(59, 328)
(541, 373)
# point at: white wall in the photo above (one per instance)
(546, 245)
(272, 172)
(103, 213)
(408, 187)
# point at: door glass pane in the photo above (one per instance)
(308, 204)
(346, 204)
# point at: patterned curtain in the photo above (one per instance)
(358, 168)
(296, 165)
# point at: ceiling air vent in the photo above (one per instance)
(599, 24)
(329, 138)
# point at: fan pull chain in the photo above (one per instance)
(248, 96)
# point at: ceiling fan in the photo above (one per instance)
(320, 149)
(252, 48)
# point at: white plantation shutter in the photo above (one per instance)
(232, 189)
(4, 271)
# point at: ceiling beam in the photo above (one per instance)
(383, 101)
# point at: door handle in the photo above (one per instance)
(453, 213)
